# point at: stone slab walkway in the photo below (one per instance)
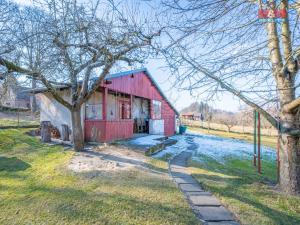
(206, 207)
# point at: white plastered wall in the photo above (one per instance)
(51, 110)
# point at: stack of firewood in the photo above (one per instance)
(55, 133)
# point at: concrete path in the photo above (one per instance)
(206, 207)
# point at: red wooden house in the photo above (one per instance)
(127, 103)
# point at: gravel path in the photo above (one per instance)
(207, 208)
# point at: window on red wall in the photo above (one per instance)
(124, 110)
(156, 109)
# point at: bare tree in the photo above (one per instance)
(221, 46)
(229, 122)
(209, 119)
(67, 43)
(6, 10)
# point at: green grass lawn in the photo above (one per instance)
(251, 197)
(36, 188)
(269, 141)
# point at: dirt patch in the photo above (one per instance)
(107, 158)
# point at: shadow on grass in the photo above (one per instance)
(12, 164)
(77, 204)
(277, 216)
(123, 160)
(238, 187)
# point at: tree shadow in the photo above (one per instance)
(229, 187)
(277, 216)
(122, 161)
(77, 204)
(12, 164)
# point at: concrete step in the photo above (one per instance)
(222, 223)
(204, 200)
(185, 180)
(214, 214)
(190, 187)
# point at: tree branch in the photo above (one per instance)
(15, 68)
(275, 123)
(286, 42)
(291, 106)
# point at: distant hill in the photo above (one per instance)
(243, 117)
(206, 110)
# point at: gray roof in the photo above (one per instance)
(120, 74)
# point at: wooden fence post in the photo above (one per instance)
(254, 138)
(258, 143)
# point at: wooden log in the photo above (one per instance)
(46, 131)
(65, 134)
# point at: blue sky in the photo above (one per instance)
(180, 99)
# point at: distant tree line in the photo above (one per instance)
(244, 117)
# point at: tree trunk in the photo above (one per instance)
(289, 178)
(33, 103)
(228, 128)
(77, 134)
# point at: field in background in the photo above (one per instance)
(269, 141)
(222, 127)
(266, 140)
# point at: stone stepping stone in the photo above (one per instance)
(197, 193)
(179, 171)
(207, 206)
(204, 200)
(222, 223)
(178, 167)
(177, 162)
(214, 214)
(190, 187)
(182, 175)
(185, 180)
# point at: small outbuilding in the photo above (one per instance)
(126, 103)
(192, 116)
(13, 95)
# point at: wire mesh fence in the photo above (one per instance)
(18, 119)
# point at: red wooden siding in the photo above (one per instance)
(138, 85)
(94, 130)
(168, 115)
(121, 129)
(100, 130)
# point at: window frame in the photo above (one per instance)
(157, 115)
